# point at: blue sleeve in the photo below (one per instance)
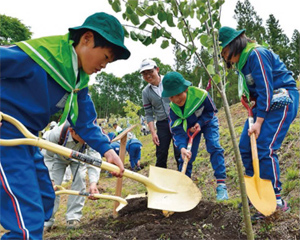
(86, 125)
(259, 64)
(15, 64)
(178, 133)
(208, 109)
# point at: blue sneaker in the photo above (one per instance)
(222, 193)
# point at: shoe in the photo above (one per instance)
(222, 193)
(257, 216)
(284, 207)
(138, 168)
(73, 224)
(48, 225)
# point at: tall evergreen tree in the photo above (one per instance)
(278, 41)
(248, 19)
(295, 54)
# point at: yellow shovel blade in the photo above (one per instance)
(261, 194)
(187, 195)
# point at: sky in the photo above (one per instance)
(54, 17)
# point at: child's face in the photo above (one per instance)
(76, 136)
(91, 59)
(179, 99)
(225, 54)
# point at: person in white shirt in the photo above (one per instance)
(57, 165)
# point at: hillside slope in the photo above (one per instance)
(210, 219)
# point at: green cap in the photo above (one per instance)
(173, 84)
(108, 27)
(228, 34)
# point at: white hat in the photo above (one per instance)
(147, 64)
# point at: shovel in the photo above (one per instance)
(167, 189)
(62, 190)
(259, 191)
(189, 147)
(185, 162)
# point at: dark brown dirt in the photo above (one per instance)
(209, 220)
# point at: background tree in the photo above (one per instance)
(248, 19)
(107, 89)
(131, 88)
(278, 41)
(12, 30)
(295, 54)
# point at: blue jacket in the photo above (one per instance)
(202, 115)
(132, 141)
(265, 72)
(30, 95)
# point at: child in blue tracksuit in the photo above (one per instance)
(38, 78)
(134, 147)
(192, 108)
(261, 75)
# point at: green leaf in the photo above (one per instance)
(180, 24)
(186, 12)
(203, 40)
(133, 36)
(116, 6)
(155, 33)
(216, 78)
(162, 16)
(147, 41)
(226, 85)
(192, 13)
(151, 10)
(126, 34)
(165, 44)
(134, 18)
(133, 3)
(211, 69)
(170, 20)
(129, 10)
(162, 31)
(140, 11)
(141, 37)
(147, 21)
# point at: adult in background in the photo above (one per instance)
(156, 106)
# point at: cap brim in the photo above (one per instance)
(148, 67)
(125, 53)
(176, 91)
(229, 41)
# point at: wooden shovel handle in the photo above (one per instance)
(62, 190)
(189, 147)
(255, 161)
